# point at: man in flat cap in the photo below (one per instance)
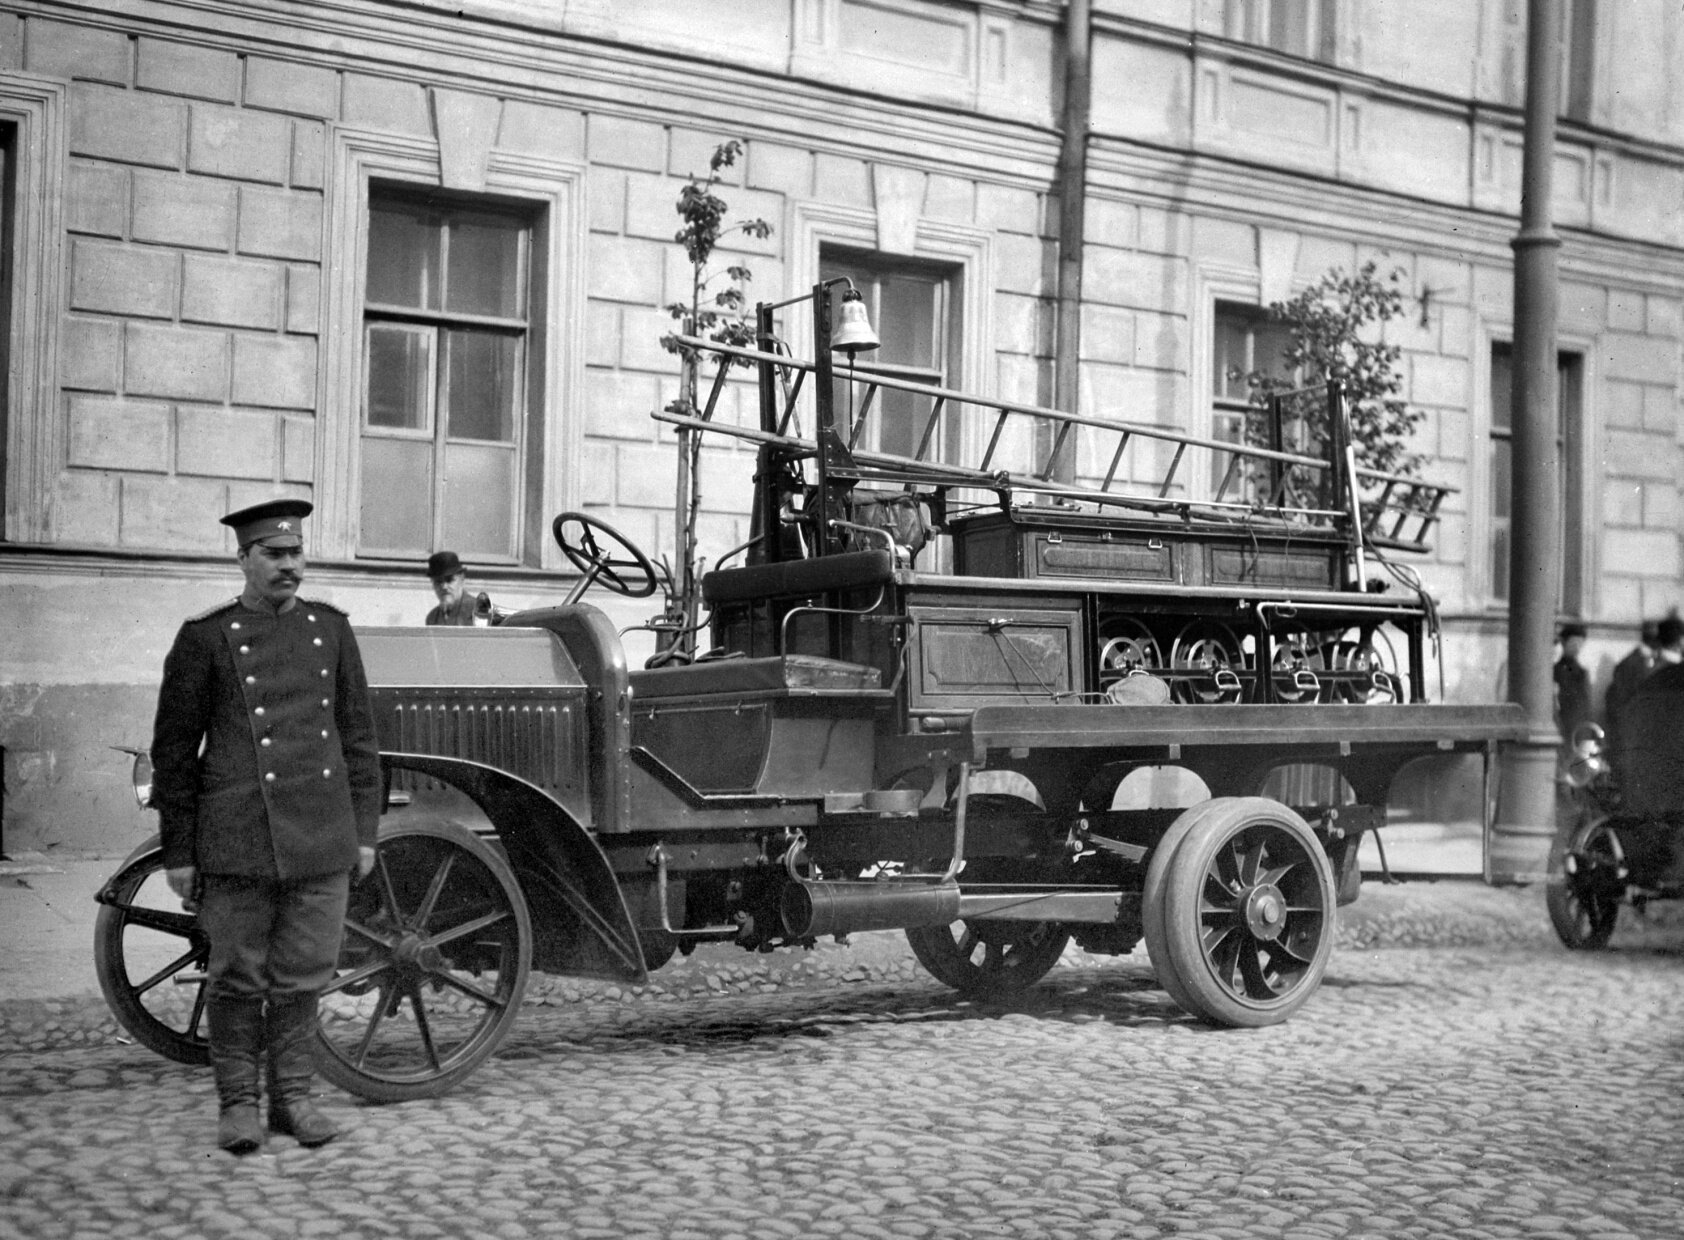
(267, 781)
(450, 584)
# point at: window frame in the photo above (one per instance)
(436, 325)
(1581, 491)
(552, 190)
(34, 424)
(875, 267)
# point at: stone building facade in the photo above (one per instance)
(257, 247)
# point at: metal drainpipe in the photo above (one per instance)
(1518, 848)
(1072, 198)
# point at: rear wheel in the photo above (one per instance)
(438, 944)
(1152, 899)
(1248, 913)
(989, 959)
(150, 957)
(1587, 881)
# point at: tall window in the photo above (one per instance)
(1569, 481)
(1244, 340)
(1297, 27)
(1578, 47)
(911, 307)
(446, 325)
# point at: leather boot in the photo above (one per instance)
(291, 1039)
(236, 1046)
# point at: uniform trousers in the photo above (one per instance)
(272, 938)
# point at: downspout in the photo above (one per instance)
(1072, 199)
(1518, 848)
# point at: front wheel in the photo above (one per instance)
(150, 957)
(1248, 913)
(1587, 881)
(438, 944)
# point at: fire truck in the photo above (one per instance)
(1036, 680)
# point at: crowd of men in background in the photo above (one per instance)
(1660, 643)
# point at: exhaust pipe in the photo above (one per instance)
(816, 909)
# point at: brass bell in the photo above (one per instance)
(853, 328)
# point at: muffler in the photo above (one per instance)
(816, 909)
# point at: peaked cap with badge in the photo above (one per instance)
(274, 523)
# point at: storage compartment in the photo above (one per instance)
(1272, 561)
(962, 657)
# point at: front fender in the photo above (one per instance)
(580, 922)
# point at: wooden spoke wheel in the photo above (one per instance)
(1211, 653)
(438, 943)
(1247, 908)
(1363, 667)
(150, 957)
(989, 959)
(1587, 882)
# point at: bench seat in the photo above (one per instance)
(849, 570)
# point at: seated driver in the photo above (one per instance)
(456, 605)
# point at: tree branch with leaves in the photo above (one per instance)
(717, 309)
(1336, 330)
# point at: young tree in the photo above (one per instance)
(1336, 331)
(714, 311)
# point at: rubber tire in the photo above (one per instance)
(189, 1045)
(429, 1081)
(1211, 996)
(1564, 898)
(1152, 899)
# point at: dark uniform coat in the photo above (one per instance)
(265, 761)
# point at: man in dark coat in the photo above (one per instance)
(450, 585)
(267, 782)
(1629, 673)
(1572, 683)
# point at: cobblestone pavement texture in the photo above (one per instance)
(1459, 1074)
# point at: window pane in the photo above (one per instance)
(1502, 509)
(907, 321)
(1502, 388)
(479, 488)
(397, 495)
(1289, 26)
(1500, 562)
(485, 275)
(400, 371)
(483, 385)
(403, 256)
(1228, 356)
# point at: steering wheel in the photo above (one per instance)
(603, 564)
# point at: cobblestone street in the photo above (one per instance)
(1488, 1084)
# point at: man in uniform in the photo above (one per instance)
(267, 781)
